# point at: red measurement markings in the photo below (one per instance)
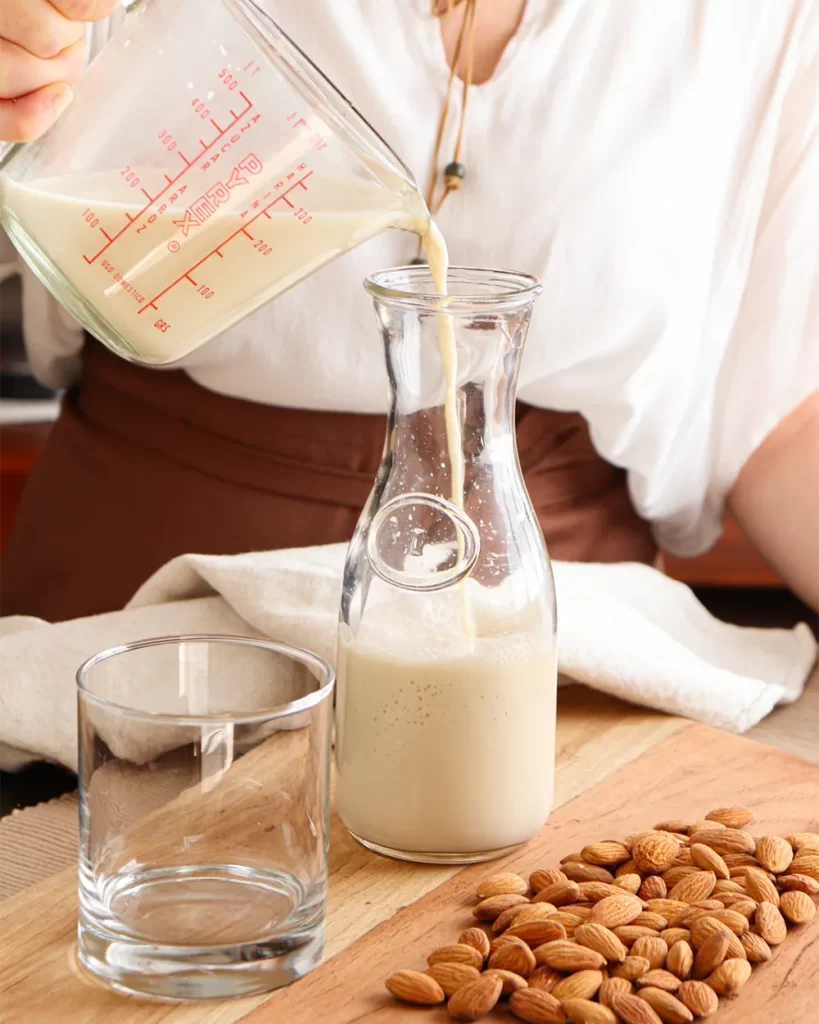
(129, 219)
(216, 251)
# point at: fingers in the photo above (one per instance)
(27, 117)
(21, 73)
(38, 27)
(86, 10)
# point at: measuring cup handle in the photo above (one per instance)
(467, 531)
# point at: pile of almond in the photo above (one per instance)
(650, 930)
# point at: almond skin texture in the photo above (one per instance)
(452, 976)
(774, 853)
(631, 968)
(536, 1007)
(770, 924)
(503, 940)
(731, 817)
(513, 957)
(475, 1000)
(804, 841)
(596, 891)
(559, 893)
(730, 976)
(630, 933)
(459, 953)
(709, 860)
(674, 825)
(605, 854)
(521, 913)
(653, 888)
(633, 1010)
(700, 998)
(545, 876)
(756, 948)
(544, 978)
(579, 871)
(659, 979)
(415, 987)
(569, 956)
(648, 919)
(655, 853)
(580, 985)
(701, 826)
(653, 949)
(703, 929)
(491, 908)
(535, 933)
(669, 1009)
(511, 982)
(583, 1011)
(680, 960)
(499, 885)
(710, 955)
(666, 908)
(616, 910)
(477, 938)
(799, 883)
(601, 939)
(672, 935)
(760, 888)
(725, 887)
(613, 987)
(694, 887)
(736, 922)
(726, 840)
(797, 907)
(631, 883)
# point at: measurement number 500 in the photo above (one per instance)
(162, 325)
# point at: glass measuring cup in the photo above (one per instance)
(204, 167)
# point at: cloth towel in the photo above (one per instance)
(624, 629)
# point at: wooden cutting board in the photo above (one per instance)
(685, 776)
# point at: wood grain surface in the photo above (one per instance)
(685, 776)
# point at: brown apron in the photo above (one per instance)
(144, 465)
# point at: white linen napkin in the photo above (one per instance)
(625, 629)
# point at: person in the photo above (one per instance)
(655, 165)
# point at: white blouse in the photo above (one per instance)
(655, 164)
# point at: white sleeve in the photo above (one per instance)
(771, 363)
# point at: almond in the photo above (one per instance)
(677, 873)
(630, 933)
(499, 885)
(806, 863)
(581, 910)
(631, 883)
(731, 817)
(536, 1007)
(596, 891)
(710, 955)
(571, 857)
(797, 907)
(653, 949)
(580, 985)
(613, 987)
(522, 913)
(726, 840)
(535, 933)
(774, 853)
(545, 876)
(760, 888)
(544, 978)
(668, 1008)
(491, 908)
(633, 1010)
(735, 860)
(770, 924)
(730, 976)
(415, 987)
(683, 858)
(504, 940)
(680, 959)
(511, 982)
(567, 956)
(653, 888)
(756, 948)
(666, 908)
(804, 841)
(703, 929)
(700, 826)
(725, 886)
(675, 825)
(659, 979)
(569, 921)
(602, 940)
(559, 893)
(648, 919)
(700, 999)
(459, 953)
(739, 902)
(629, 868)
(477, 938)
(736, 922)
(475, 999)
(673, 935)
(655, 853)
(799, 883)
(583, 1011)
(616, 910)
(512, 956)
(579, 871)
(631, 968)
(605, 854)
(452, 976)
(709, 860)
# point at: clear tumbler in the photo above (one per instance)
(204, 790)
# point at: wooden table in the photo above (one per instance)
(657, 759)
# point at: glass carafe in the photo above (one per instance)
(204, 167)
(447, 650)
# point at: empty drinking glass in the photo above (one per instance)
(204, 788)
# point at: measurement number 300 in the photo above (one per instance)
(162, 325)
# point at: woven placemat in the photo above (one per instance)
(37, 842)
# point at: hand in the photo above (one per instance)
(42, 51)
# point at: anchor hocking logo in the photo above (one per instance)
(203, 208)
